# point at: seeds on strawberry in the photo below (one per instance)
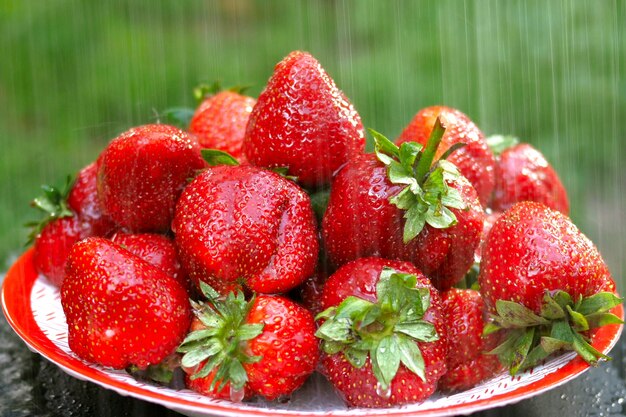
(545, 284)
(245, 225)
(120, 310)
(304, 122)
(264, 347)
(475, 160)
(398, 205)
(383, 334)
(467, 361)
(523, 174)
(220, 122)
(141, 174)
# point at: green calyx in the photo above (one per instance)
(386, 331)
(222, 344)
(500, 143)
(53, 202)
(530, 338)
(426, 197)
(215, 157)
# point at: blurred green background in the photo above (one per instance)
(74, 74)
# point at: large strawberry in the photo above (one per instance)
(265, 346)
(523, 174)
(220, 122)
(475, 160)
(246, 225)
(157, 250)
(142, 172)
(467, 361)
(383, 334)
(72, 214)
(545, 284)
(394, 204)
(120, 310)
(304, 122)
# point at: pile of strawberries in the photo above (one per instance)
(263, 244)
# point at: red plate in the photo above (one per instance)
(32, 307)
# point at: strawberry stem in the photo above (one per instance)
(428, 155)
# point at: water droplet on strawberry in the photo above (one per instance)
(236, 395)
(382, 392)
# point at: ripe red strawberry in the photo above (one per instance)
(475, 160)
(120, 310)
(53, 245)
(395, 205)
(545, 283)
(523, 174)
(467, 361)
(220, 122)
(71, 215)
(264, 347)
(142, 172)
(83, 200)
(157, 250)
(246, 225)
(304, 122)
(383, 334)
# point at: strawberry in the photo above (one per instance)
(53, 244)
(265, 346)
(396, 205)
(220, 122)
(475, 160)
(545, 285)
(304, 122)
(310, 292)
(157, 250)
(467, 361)
(120, 310)
(71, 215)
(142, 172)
(83, 200)
(383, 334)
(523, 174)
(246, 225)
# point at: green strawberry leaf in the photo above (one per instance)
(500, 143)
(177, 116)
(427, 198)
(419, 330)
(514, 315)
(215, 157)
(598, 303)
(388, 331)
(386, 358)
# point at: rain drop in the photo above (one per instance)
(381, 392)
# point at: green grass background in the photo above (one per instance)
(74, 74)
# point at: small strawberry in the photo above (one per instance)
(83, 200)
(545, 284)
(467, 361)
(310, 292)
(71, 215)
(523, 174)
(246, 225)
(397, 204)
(220, 122)
(304, 122)
(475, 160)
(120, 310)
(142, 172)
(157, 250)
(264, 347)
(383, 334)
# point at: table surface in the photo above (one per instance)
(32, 386)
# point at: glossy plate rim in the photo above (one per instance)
(16, 306)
